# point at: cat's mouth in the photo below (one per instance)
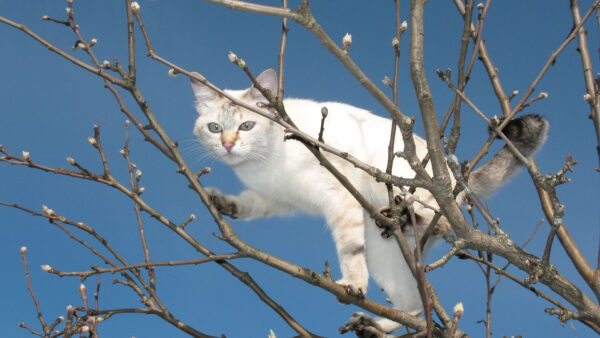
(231, 157)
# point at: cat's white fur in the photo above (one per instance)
(282, 177)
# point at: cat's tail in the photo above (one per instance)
(528, 133)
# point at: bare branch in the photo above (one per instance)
(45, 327)
(281, 56)
(455, 132)
(131, 76)
(98, 270)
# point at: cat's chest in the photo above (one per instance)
(267, 180)
(289, 184)
(262, 179)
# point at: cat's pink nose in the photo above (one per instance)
(228, 146)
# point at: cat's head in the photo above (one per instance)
(231, 133)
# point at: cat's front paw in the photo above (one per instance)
(224, 204)
(354, 287)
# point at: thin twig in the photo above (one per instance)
(391, 156)
(456, 247)
(281, 56)
(97, 270)
(131, 76)
(32, 331)
(420, 273)
(98, 145)
(45, 327)
(465, 39)
(134, 180)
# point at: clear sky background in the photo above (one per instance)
(48, 107)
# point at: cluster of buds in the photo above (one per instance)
(26, 156)
(234, 59)
(396, 39)
(48, 211)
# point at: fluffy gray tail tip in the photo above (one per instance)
(528, 133)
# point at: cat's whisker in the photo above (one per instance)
(254, 156)
(264, 151)
(195, 153)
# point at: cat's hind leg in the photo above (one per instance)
(360, 323)
(345, 220)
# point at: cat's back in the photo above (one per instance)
(348, 128)
(306, 112)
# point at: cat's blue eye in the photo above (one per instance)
(247, 125)
(215, 127)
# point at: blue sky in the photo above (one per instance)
(48, 107)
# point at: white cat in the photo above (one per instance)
(282, 177)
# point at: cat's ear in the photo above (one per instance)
(202, 92)
(268, 80)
